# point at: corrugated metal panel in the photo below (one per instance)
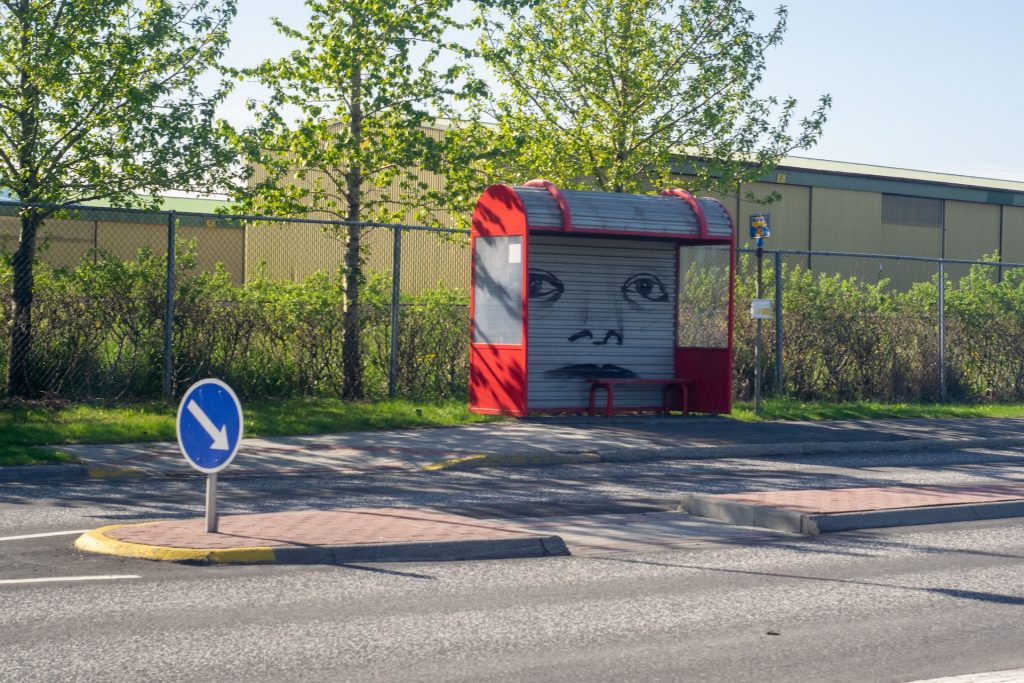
(1013, 234)
(972, 230)
(587, 290)
(717, 217)
(541, 209)
(910, 240)
(611, 211)
(790, 215)
(846, 221)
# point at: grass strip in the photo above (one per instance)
(793, 409)
(24, 427)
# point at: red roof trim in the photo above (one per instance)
(563, 206)
(702, 221)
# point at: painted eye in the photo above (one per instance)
(545, 287)
(644, 287)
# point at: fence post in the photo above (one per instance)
(778, 324)
(942, 330)
(396, 292)
(172, 221)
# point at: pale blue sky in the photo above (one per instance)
(921, 84)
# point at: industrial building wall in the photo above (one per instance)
(63, 243)
(66, 242)
(1013, 234)
(842, 220)
(972, 230)
(790, 215)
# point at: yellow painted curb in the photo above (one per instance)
(483, 460)
(96, 541)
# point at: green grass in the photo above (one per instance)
(792, 409)
(22, 427)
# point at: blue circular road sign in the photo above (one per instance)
(209, 425)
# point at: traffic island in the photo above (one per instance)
(323, 537)
(829, 510)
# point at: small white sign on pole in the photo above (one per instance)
(762, 309)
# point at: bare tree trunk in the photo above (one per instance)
(351, 351)
(18, 362)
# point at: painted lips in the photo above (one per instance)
(586, 370)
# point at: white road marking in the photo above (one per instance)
(51, 533)
(52, 579)
(1008, 676)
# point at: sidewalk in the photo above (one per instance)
(397, 534)
(553, 441)
(406, 534)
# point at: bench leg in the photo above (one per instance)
(685, 391)
(610, 392)
(593, 392)
(666, 400)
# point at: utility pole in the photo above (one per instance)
(760, 227)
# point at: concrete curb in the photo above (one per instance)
(779, 519)
(96, 541)
(67, 472)
(715, 452)
(58, 472)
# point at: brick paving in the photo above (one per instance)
(332, 528)
(829, 501)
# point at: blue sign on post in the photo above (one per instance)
(760, 226)
(209, 425)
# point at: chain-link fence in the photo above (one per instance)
(260, 303)
(879, 327)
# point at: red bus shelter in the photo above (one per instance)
(584, 299)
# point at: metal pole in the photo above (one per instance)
(172, 221)
(778, 324)
(396, 292)
(211, 503)
(757, 340)
(942, 330)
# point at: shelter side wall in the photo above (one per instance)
(497, 355)
(599, 307)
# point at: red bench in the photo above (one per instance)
(609, 384)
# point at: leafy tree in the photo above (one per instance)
(610, 94)
(100, 99)
(359, 92)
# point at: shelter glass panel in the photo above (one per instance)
(704, 297)
(498, 290)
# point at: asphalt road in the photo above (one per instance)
(893, 605)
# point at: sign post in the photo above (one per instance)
(760, 227)
(209, 429)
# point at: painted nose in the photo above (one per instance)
(609, 335)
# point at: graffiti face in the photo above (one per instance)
(598, 309)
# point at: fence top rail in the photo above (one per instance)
(891, 257)
(231, 217)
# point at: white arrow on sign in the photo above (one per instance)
(219, 436)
